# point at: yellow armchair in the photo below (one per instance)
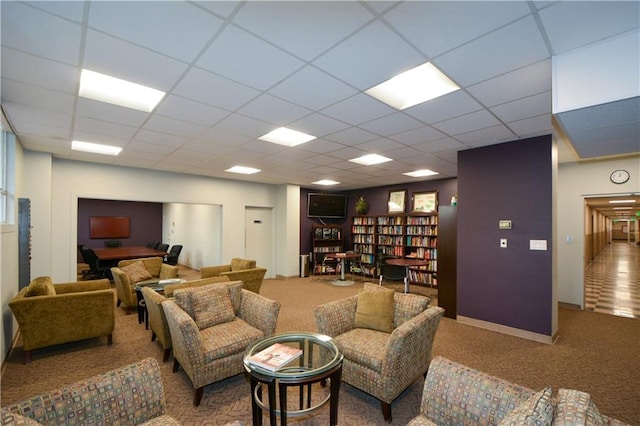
(244, 270)
(63, 313)
(126, 289)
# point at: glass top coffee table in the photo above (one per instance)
(320, 361)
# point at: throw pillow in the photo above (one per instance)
(212, 307)
(375, 309)
(238, 264)
(576, 408)
(41, 286)
(535, 411)
(137, 272)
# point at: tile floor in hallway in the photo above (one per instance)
(612, 281)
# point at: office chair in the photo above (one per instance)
(96, 270)
(163, 247)
(389, 272)
(174, 253)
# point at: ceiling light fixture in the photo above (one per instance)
(95, 148)
(287, 137)
(622, 208)
(418, 85)
(421, 173)
(326, 182)
(621, 201)
(243, 170)
(371, 159)
(104, 88)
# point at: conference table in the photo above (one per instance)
(407, 262)
(116, 254)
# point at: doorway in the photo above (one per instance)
(258, 243)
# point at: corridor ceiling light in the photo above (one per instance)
(95, 148)
(421, 173)
(370, 159)
(104, 88)
(287, 137)
(622, 208)
(621, 201)
(418, 85)
(326, 182)
(243, 170)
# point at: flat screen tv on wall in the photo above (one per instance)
(326, 205)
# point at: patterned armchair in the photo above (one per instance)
(157, 320)
(244, 270)
(211, 326)
(126, 277)
(381, 363)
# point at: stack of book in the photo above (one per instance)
(275, 356)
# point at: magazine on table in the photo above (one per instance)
(275, 356)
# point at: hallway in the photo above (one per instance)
(612, 281)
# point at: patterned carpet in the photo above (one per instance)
(595, 353)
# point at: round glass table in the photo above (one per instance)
(320, 361)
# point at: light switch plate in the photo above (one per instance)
(537, 244)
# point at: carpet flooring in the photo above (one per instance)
(595, 353)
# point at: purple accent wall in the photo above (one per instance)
(145, 220)
(377, 198)
(510, 286)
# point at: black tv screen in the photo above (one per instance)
(326, 205)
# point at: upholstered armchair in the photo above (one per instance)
(130, 272)
(211, 327)
(157, 320)
(51, 314)
(244, 270)
(386, 339)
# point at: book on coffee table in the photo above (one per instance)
(275, 356)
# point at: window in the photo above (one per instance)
(3, 177)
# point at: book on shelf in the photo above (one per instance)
(275, 356)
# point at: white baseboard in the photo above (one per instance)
(511, 331)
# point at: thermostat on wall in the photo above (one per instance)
(504, 224)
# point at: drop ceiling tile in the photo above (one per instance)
(437, 27)
(570, 25)
(312, 89)
(392, 124)
(418, 136)
(159, 138)
(358, 109)
(120, 59)
(208, 88)
(487, 136)
(244, 58)
(527, 81)
(318, 125)
(108, 112)
(39, 33)
(221, 8)
(151, 148)
(352, 136)
(24, 114)
(320, 146)
(191, 111)
(171, 126)
(507, 49)
(445, 107)
(38, 71)
(520, 109)
(311, 27)
(535, 126)
(13, 91)
(273, 110)
(369, 57)
(55, 146)
(177, 29)
(439, 145)
(244, 126)
(381, 146)
(467, 123)
(219, 137)
(72, 10)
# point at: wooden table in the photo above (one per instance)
(342, 257)
(122, 253)
(406, 262)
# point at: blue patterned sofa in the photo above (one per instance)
(130, 395)
(454, 394)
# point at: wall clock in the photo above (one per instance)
(619, 176)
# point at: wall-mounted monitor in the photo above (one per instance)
(328, 206)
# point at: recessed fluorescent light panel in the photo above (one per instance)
(622, 208)
(421, 173)
(326, 182)
(370, 159)
(95, 148)
(287, 137)
(243, 170)
(621, 201)
(104, 88)
(419, 84)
